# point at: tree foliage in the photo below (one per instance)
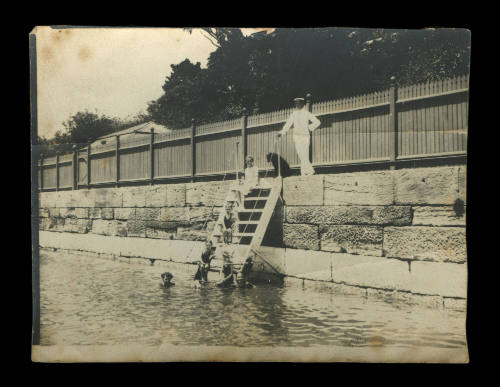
(82, 128)
(266, 71)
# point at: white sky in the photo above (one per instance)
(114, 70)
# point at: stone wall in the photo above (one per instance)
(413, 214)
(401, 230)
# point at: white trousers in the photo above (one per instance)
(302, 147)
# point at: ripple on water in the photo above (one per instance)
(85, 300)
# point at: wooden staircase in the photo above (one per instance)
(251, 221)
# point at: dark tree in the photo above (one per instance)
(268, 70)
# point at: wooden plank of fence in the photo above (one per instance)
(193, 149)
(57, 172)
(393, 126)
(244, 124)
(117, 160)
(152, 156)
(88, 166)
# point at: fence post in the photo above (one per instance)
(41, 173)
(193, 149)
(393, 128)
(309, 109)
(88, 166)
(117, 159)
(152, 157)
(75, 171)
(57, 171)
(244, 123)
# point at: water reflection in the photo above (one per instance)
(85, 300)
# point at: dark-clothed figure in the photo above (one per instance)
(242, 275)
(228, 226)
(280, 165)
(204, 263)
(167, 279)
(226, 272)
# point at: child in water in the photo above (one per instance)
(167, 279)
(226, 272)
(204, 263)
(242, 275)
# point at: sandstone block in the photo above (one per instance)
(207, 193)
(133, 196)
(159, 233)
(54, 212)
(95, 213)
(375, 272)
(77, 198)
(303, 190)
(156, 196)
(426, 185)
(455, 303)
(43, 223)
(352, 239)
(43, 213)
(82, 213)
(190, 234)
(304, 263)
(47, 199)
(56, 224)
(437, 216)
(174, 214)
(426, 243)
(108, 197)
(202, 214)
(147, 213)
(176, 195)
(107, 213)
(81, 226)
(168, 227)
(365, 188)
(444, 279)
(329, 214)
(136, 228)
(392, 215)
(356, 215)
(121, 229)
(67, 213)
(124, 213)
(103, 227)
(301, 236)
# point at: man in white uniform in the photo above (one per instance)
(303, 122)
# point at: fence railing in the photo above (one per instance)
(412, 122)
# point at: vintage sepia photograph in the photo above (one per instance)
(249, 194)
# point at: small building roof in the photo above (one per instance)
(131, 133)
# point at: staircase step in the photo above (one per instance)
(264, 192)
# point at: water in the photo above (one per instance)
(91, 301)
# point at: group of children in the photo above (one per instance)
(229, 277)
